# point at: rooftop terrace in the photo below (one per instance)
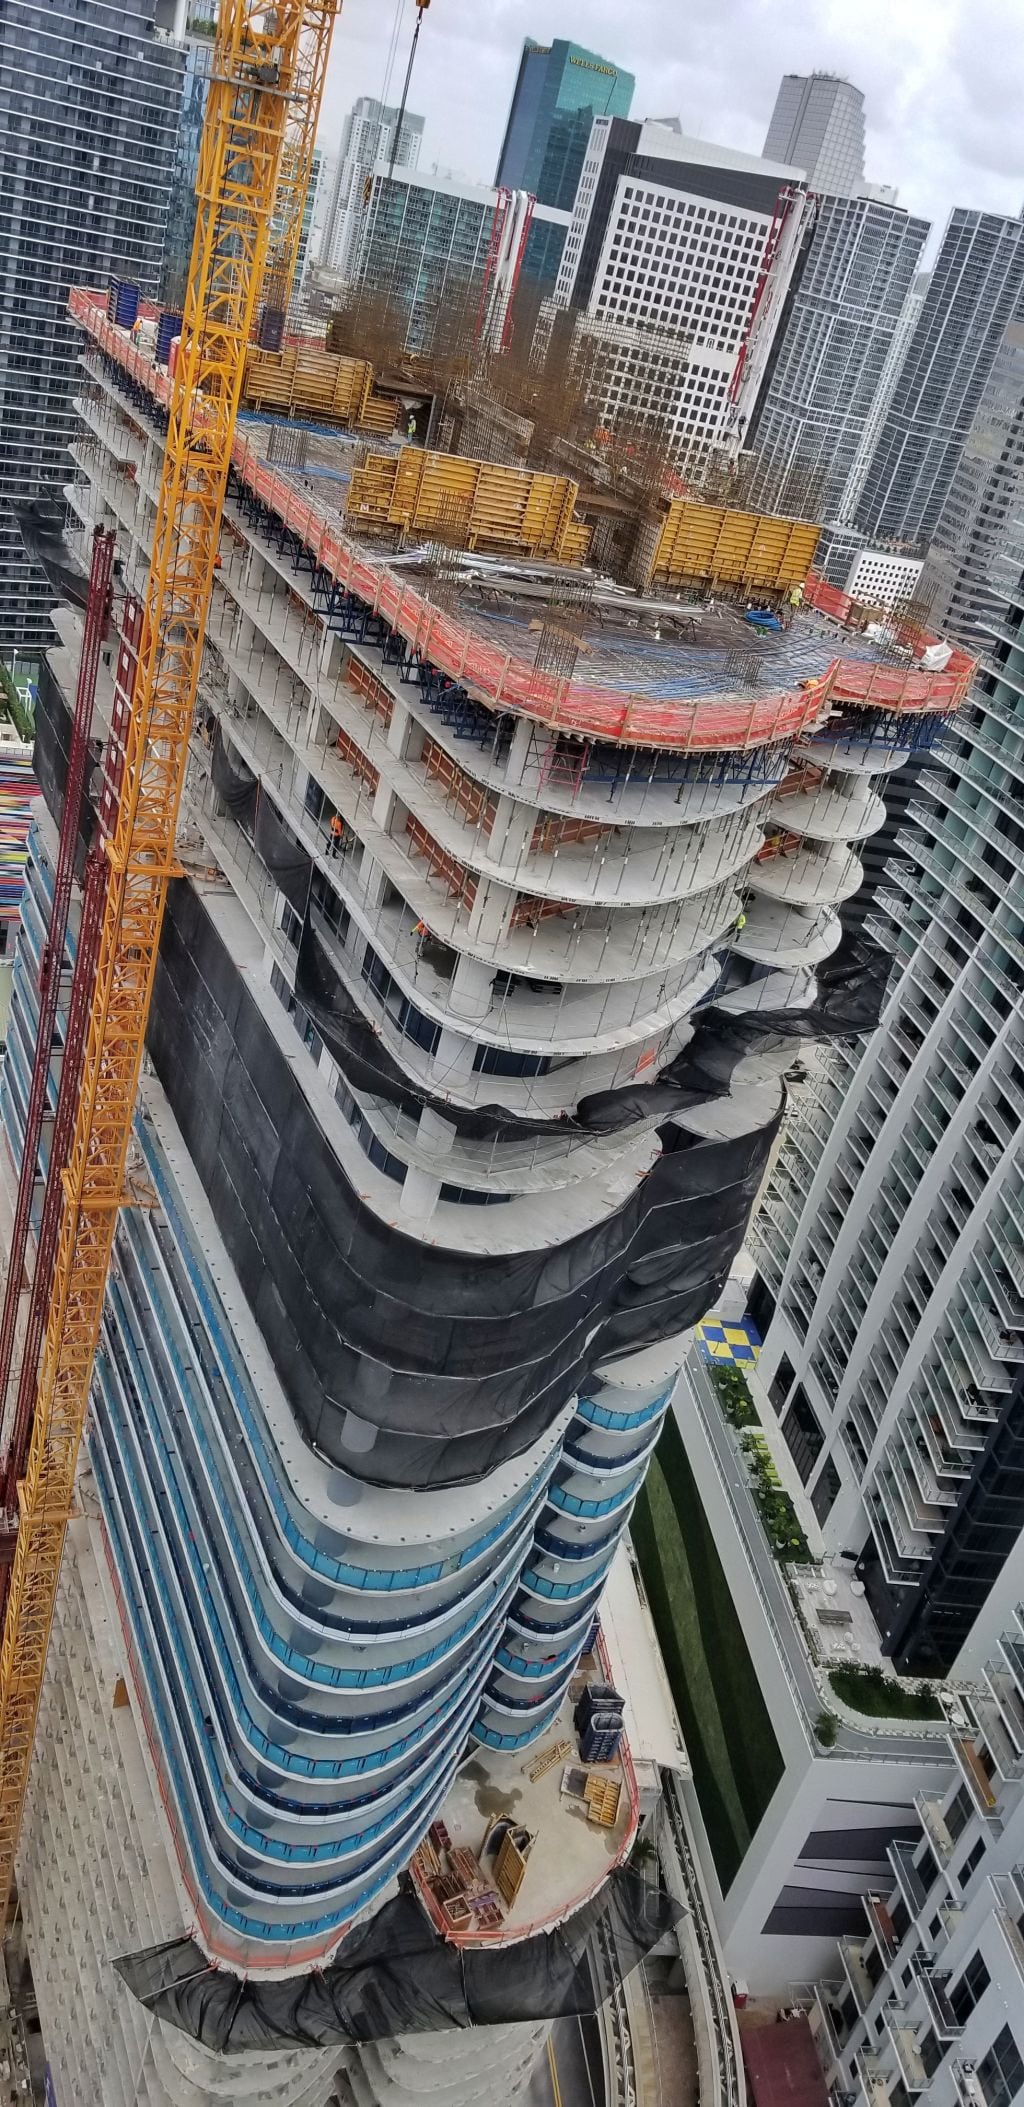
(579, 1821)
(654, 672)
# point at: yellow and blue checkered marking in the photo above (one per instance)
(719, 1341)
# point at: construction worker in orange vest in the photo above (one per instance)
(337, 830)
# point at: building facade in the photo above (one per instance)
(963, 573)
(92, 98)
(792, 1820)
(849, 292)
(367, 137)
(560, 89)
(975, 289)
(818, 125)
(929, 1998)
(890, 1244)
(384, 1362)
(678, 260)
(448, 253)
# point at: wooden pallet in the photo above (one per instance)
(602, 1796)
(547, 1759)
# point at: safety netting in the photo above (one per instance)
(397, 1975)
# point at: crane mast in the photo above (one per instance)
(297, 155)
(256, 92)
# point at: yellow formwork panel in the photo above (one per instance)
(478, 504)
(316, 383)
(726, 547)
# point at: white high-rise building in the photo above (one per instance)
(890, 1245)
(848, 301)
(927, 2000)
(818, 124)
(678, 260)
(367, 136)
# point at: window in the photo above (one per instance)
(469, 1196)
(958, 1813)
(971, 1862)
(1001, 2072)
(972, 1984)
(492, 1060)
(802, 1434)
(930, 2053)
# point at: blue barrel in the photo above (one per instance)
(126, 303)
(168, 327)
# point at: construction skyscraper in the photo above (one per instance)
(443, 1145)
(559, 91)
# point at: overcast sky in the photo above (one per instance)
(943, 79)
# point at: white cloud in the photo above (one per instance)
(943, 79)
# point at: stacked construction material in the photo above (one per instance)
(304, 381)
(598, 1722)
(471, 504)
(122, 303)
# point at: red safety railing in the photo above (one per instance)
(873, 683)
(507, 682)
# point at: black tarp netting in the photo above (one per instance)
(402, 1362)
(395, 1975)
(40, 523)
(234, 783)
(369, 1067)
(288, 863)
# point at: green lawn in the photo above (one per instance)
(736, 1759)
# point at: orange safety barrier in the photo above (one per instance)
(505, 682)
(870, 682)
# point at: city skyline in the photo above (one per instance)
(932, 93)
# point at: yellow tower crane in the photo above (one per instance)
(297, 155)
(268, 65)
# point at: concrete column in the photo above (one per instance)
(512, 831)
(400, 733)
(454, 1058)
(332, 655)
(521, 751)
(491, 910)
(470, 994)
(420, 1193)
(436, 1130)
(372, 878)
(384, 803)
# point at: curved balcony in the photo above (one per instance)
(343, 1841)
(561, 1625)
(853, 756)
(205, 1725)
(272, 1708)
(775, 934)
(585, 778)
(389, 1590)
(806, 877)
(543, 1578)
(525, 847)
(828, 814)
